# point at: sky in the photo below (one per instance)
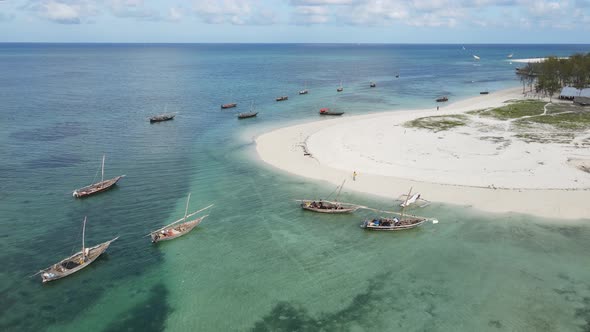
(296, 21)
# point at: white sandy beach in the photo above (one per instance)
(480, 165)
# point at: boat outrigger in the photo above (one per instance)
(98, 187)
(394, 224)
(175, 230)
(76, 262)
(323, 206)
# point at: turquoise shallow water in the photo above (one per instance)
(257, 262)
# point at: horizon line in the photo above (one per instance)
(277, 43)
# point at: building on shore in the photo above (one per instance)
(569, 93)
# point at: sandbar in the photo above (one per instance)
(483, 165)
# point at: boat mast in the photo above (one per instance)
(186, 210)
(405, 203)
(102, 169)
(83, 234)
(340, 189)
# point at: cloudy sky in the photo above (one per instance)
(368, 21)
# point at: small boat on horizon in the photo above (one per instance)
(76, 262)
(162, 117)
(326, 111)
(372, 85)
(98, 187)
(230, 105)
(510, 55)
(175, 230)
(340, 88)
(476, 57)
(442, 99)
(484, 92)
(282, 98)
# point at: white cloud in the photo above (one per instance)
(62, 11)
(442, 13)
(568, 14)
(236, 12)
(6, 17)
(175, 14)
(132, 8)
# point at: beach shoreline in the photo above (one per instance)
(529, 178)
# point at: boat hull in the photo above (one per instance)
(161, 119)
(413, 223)
(96, 188)
(330, 207)
(176, 231)
(332, 113)
(247, 115)
(58, 271)
(228, 106)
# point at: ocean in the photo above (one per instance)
(257, 262)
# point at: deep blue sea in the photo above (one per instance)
(257, 262)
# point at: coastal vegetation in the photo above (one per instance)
(515, 110)
(529, 120)
(574, 121)
(439, 122)
(554, 73)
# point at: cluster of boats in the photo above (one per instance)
(87, 255)
(404, 222)
(184, 225)
(252, 113)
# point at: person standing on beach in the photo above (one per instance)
(354, 176)
(437, 108)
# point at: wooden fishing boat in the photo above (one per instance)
(304, 91)
(442, 99)
(484, 93)
(98, 187)
(76, 262)
(162, 117)
(392, 224)
(326, 111)
(247, 115)
(395, 224)
(230, 105)
(282, 98)
(323, 206)
(372, 85)
(175, 230)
